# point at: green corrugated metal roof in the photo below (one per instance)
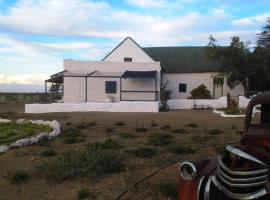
(183, 59)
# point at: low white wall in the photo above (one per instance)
(215, 103)
(123, 106)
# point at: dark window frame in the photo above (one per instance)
(110, 87)
(182, 88)
(127, 59)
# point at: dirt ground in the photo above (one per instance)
(111, 186)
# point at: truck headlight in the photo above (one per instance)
(188, 171)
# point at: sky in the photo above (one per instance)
(36, 35)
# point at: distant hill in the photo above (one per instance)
(21, 88)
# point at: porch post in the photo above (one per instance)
(52, 90)
(155, 88)
(120, 88)
(86, 89)
(45, 91)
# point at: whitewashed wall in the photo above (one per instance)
(193, 80)
(129, 49)
(123, 106)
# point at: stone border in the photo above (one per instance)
(222, 113)
(24, 142)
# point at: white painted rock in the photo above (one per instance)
(20, 121)
(3, 149)
(42, 137)
(4, 120)
(55, 125)
(21, 143)
(34, 140)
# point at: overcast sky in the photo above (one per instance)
(36, 35)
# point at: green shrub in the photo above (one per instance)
(141, 129)
(69, 123)
(201, 138)
(48, 153)
(154, 124)
(81, 126)
(119, 123)
(83, 193)
(73, 136)
(72, 140)
(82, 163)
(90, 124)
(168, 188)
(107, 144)
(108, 130)
(180, 149)
(192, 125)
(165, 127)
(126, 135)
(201, 92)
(214, 131)
(18, 176)
(143, 152)
(178, 130)
(159, 139)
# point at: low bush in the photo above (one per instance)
(141, 129)
(68, 123)
(201, 138)
(154, 124)
(107, 144)
(180, 149)
(108, 130)
(48, 153)
(143, 152)
(83, 193)
(165, 127)
(168, 188)
(81, 126)
(214, 131)
(179, 130)
(201, 92)
(192, 125)
(73, 136)
(18, 176)
(82, 163)
(119, 123)
(159, 139)
(126, 135)
(90, 124)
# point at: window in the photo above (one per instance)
(110, 87)
(127, 59)
(182, 87)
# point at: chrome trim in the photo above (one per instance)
(248, 196)
(241, 185)
(264, 177)
(243, 173)
(199, 188)
(243, 154)
(193, 168)
(207, 190)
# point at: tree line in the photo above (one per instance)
(245, 64)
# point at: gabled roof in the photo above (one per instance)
(183, 59)
(121, 44)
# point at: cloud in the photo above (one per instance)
(36, 79)
(251, 22)
(148, 3)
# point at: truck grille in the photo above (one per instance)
(241, 175)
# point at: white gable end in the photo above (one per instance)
(128, 49)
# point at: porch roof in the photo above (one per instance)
(139, 74)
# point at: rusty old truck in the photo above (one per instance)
(242, 171)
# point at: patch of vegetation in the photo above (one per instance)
(73, 136)
(168, 188)
(69, 123)
(153, 124)
(192, 125)
(18, 176)
(201, 92)
(143, 152)
(165, 127)
(201, 138)
(10, 132)
(119, 123)
(81, 126)
(44, 143)
(159, 139)
(141, 129)
(180, 149)
(126, 135)
(108, 130)
(179, 130)
(90, 124)
(83, 193)
(214, 131)
(82, 163)
(234, 110)
(107, 144)
(48, 153)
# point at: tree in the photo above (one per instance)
(263, 39)
(234, 60)
(200, 92)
